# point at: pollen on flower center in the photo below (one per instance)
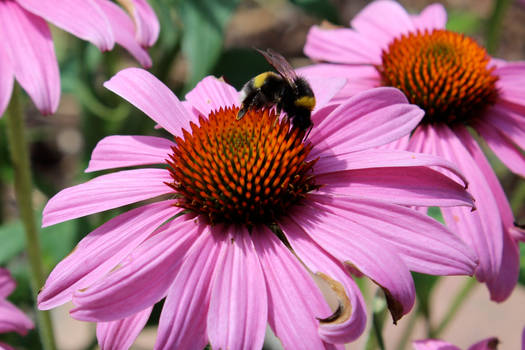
(244, 171)
(445, 73)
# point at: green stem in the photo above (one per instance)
(23, 191)
(375, 337)
(465, 291)
(494, 24)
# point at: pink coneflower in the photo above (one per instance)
(27, 52)
(453, 79)
(252, 205)
(11, 319)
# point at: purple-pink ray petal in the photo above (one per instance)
(351, 242)
(124, 151)
(432, 17)
(81, 18)
(143, 90)
(294, 301)
(504, 148)
(141, 279)
(212, 94)
(102, 250)
(28, 44)
(238, 310)
(4, 346)
(122, 333)
(12, 319)
(7, 283)
(351, 323)
(369, 119)
(425, 245)
(381, 21)
(124, 31)
(342, 45)
(146, 22)
(508, 123)
(431, 344)
(106, 192)
(324, 88)
(190, 295)
(485, 344)
(6, 80)
(482, 229)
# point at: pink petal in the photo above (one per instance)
(141, 279)
(6, 80)
(212, 94)
(486, 344)
(106, 192)
(508, 123)
(151, 96)
(125, 151)
(504, 148)
(294, 301)
(190, 295)
(369, 119)
(382, 21)
(102, 250)
(432, 17)
(81, 18)
(238, 303)
(146, 21)
(482, 228)
(341, 46)
(324, 89)
(12, 319)
(351, 324)
(29, 46)
(122, 333)
(351, 242)
(7, 283)
(431, 344)
(5, 347)
(124, 31)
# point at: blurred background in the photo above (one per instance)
(198, 38)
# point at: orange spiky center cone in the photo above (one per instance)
(246, 171)
(445, 73)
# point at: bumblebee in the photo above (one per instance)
(286, 90)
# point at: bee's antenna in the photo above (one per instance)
(308, 132)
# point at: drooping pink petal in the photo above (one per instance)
(351, 242)
(150, 95)
(504, 148)
(431, 344)
(124, 31)
(238, 304)
(6, 80)
(485, 344)
(106, 192)
(369, 119)
(432, 17)
(124, 151)
(5, 347)
(146, 22)
(12, 319)
(28, 44)
(508, 123)
(7, 283)
(212, 94)
(122, 333)
(381, 21)
(350, 324)
(190, 295)
(101, 250)
(482, 229)
(341, 46)
(294, 301)
(79, 17)
(511, 82)
(141, 279)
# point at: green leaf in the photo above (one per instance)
(522, 264)
(435, 213)
(322, 9)
(204, 22)
(424, 286)
(237, 66)
(464, 22)
(58, 241)
(13, 240)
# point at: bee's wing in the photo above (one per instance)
(280, 64)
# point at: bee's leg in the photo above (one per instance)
(246, 104)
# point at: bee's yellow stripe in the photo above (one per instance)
(259, 80)
(306, 102)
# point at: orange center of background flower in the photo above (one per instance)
(445, 73)
(241, 171)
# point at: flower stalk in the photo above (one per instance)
(23, 190)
